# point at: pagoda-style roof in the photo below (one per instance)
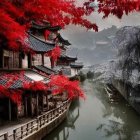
(68, 58)
(54, 28)
(78, 65)
(21, 78)
(39, 26)
(44, 26)
(17, 84)
(44, 69)
(63, 47)
(63, 41)
(39, 45)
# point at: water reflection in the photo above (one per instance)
(73, 114)
(62, 132)
(97, 118)
(126, 126)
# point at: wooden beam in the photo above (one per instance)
(42, 59)
(9, 110)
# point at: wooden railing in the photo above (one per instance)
(33, 126)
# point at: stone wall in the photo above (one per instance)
(127, 93)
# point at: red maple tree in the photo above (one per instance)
(60, 84)
(16, 17)
(115, 7)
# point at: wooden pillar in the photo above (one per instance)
(20, 60)
(42, 59)
(47, 102)
(31, 106)
(52, 63)
(16, 111)
(29, 61)
(1, 58)
(26, 106)
(9, 109)
(37, 108)
(42, 101)
(6, 136)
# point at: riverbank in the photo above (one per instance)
(96, 118)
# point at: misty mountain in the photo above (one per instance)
(92, 48)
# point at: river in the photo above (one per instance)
(98, 119)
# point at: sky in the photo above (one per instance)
(83, 41)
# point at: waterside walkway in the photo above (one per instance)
(48, 120)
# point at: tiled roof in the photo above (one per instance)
(44, 69)
(54, 28)
(45, 26)
(21, 78)
(69, 58)
(17, 84)
(39, 26)
(76, 65)
(63, 41)
(38, 45)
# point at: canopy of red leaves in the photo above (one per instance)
(16, 16)
(60, 84)
(116, 7)
(15, 96)
(5, 89)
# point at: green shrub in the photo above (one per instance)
(90, 75)
(82, 76)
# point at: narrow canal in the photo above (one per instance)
(98, 119)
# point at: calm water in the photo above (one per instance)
(98, 119)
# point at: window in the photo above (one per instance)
(10, 59)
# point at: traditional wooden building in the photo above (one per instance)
(46, 33)
(32, 102)
(76, 67)
(37, 68)
(32, 62)
(65, 60)
(67, 64)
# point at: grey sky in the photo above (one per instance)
(84, 41)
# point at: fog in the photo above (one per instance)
(92, 48)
